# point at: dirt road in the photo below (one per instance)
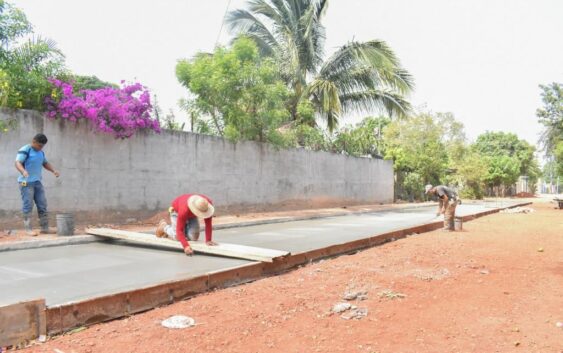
(495, 287)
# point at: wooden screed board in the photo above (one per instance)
(222, 249)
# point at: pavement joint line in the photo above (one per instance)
(66, 316)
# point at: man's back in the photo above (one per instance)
(442, 190)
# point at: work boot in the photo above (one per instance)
(27, 225)
(44, 222)
(160, 229)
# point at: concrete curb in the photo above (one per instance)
(83, 239)
(35, 244)
(64, 317)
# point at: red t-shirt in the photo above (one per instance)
(180, 205)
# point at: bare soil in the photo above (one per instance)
(497, 286)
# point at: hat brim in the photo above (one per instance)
(198, 213)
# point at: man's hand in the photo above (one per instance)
(25, 174)
(443, 211)
(57, 174)
(211, 243)
(188, 251)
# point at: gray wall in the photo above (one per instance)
(144, 173)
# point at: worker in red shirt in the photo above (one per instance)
(184, 218)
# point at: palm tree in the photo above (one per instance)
(358, 77)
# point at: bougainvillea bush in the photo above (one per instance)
(120, 111)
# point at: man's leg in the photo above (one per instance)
(170, 229)
(41, 203)
(453, 206)
(447, 217)
(450, 216)
(192, 229)
(27, 207)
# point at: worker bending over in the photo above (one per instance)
(184, 220)
(448, 201)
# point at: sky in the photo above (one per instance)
(482, 60)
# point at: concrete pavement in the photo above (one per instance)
(72, 273)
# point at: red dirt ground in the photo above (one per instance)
(497, 286)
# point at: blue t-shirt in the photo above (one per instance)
(32, 161)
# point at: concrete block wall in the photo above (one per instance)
(116, 177)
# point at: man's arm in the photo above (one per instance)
(50, 168)
(209, 232)
(444, 204)
(21, 169)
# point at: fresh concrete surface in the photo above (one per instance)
(71, 273)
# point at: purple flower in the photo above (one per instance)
(119, 111)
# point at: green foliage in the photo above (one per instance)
(551, 117)
(364, 139)
(558, 154)
(170, 123)
(359, 77)
(508, 157)
(432, 148)
(304, 136)
(13, 25)
(26, 67)
(238, 90)
(413, 186)
(470, 175)
(89, 83)
(416, 145)
(7, 125)
(502, 170)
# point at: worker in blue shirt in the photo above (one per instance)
(30, 162)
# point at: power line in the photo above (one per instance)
(222, 22)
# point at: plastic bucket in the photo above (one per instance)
(458, 224)
(65, 224)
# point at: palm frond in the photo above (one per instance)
(35, 51)
(325, 96)
(247, 24)
(392, 103)
(373, 63)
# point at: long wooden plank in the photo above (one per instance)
(223, 249)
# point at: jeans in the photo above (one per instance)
(191, 228)
(33, 192)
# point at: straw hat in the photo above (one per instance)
(427, 188)
(200, 207)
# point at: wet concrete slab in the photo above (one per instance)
(70, 273)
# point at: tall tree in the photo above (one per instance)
(508, 157)
(359, 77)
(25, 66)
(417, 147)
(239, 90)
(551, 117)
